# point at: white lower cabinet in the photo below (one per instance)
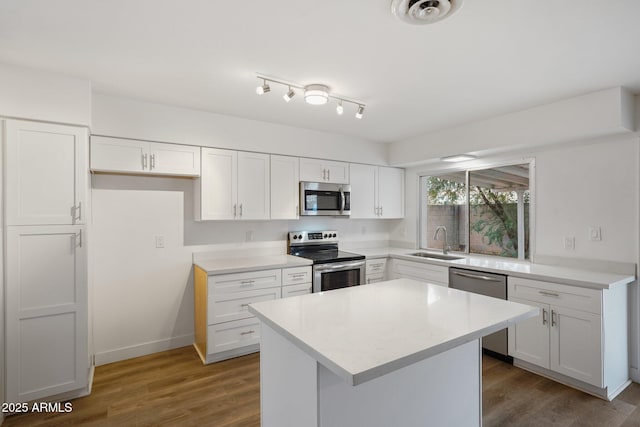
(579, 336)
(424, 272)
(376, 270)
(224, 328)
(47, 350)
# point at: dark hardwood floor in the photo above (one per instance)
(173, 388)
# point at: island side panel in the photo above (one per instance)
(200, 281)
(444, 390)
(288, 383)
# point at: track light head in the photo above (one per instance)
(339, 108)
(264, 88)
(360, 111)
(290, 94)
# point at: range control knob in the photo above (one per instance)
(326, 235)
(295, 236)
(335, 235)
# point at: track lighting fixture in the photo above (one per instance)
(314, 94)
(264, 88)
(287, 96)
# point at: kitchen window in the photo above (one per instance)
(485, 211)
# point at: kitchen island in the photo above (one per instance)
(401, 352)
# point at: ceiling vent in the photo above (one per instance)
(420, 12)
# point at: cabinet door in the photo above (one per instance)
(218, 184)
(312, 170)
(46, 311)
(119, 155)
(337, 172)
(174, 159)
(363, 191)
(529, 339)
(46, 173)
(576, 344)
(253, 186)
(284, 187)
(391, 192)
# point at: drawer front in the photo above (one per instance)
(420, 271)
(296, 275)
(375, 278)
(231, 335)
(556, 294)
(376, 266)
(294, 290)
(238, 282)
(235, 306)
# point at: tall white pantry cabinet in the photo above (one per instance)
(46, 279)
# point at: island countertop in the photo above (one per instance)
(363, 332)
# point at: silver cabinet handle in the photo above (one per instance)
(153, 161)
(76, 212)
(144, 161)
(328, 174)
(473, 276)
(324, 174)
(234, 210)
(79, 211)
(554, 322)
(246, 282)
(240, 210)
(247, 332)
(544, 316)
(77, 239)
(296, 211)
(298, 276)
(381, 210)
(244, 305)
(548, 294)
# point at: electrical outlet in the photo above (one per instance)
(249, 236)
(570, 243)
(595, 234)
(159, 241)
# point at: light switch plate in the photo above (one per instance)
(159, 241)
(595, 234)
(570, 243)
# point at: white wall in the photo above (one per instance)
(607, 112)
(38, 95)
(121, 117)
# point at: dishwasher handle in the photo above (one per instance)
(475, 276)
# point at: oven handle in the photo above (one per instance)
(338, 266)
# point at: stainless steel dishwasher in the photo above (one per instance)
(489, 284)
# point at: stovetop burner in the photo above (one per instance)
(319, 246)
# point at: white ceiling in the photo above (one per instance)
(490, 58)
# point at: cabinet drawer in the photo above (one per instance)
(292, 276)
(231, 335)
(421, 271)
(234, 306)
(294, 290)
(376, 266)
(375, 278)
(237, 282)
(556, 294)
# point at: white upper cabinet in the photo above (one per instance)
(376, 192)
(253, 186)
(233, 185)
(285, 187)
(46, 182)
(143, 157)
(316, 170)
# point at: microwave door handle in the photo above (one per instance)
(342, 200)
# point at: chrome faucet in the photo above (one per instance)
(445, 246)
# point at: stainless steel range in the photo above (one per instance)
(332, 268)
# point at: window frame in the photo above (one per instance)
(475, 166)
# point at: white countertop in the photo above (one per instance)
(239, 265)
(363, 332)
(570, 276)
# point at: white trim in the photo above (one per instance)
(123, 353)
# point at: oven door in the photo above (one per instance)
(318, 198)
(336, 275)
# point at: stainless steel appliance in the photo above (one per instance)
(320, 198)
(493, 285)
(332, 268)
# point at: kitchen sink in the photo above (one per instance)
(437, 256)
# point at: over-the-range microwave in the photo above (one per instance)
(321, 198)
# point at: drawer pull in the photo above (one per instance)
(298, 276)
(544, 316)
(548, 294)
(246, 282)
(244, 305)
(554, 322)
(247, 332)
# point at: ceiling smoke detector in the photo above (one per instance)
(420, 12)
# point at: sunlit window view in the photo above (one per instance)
(483, 212)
